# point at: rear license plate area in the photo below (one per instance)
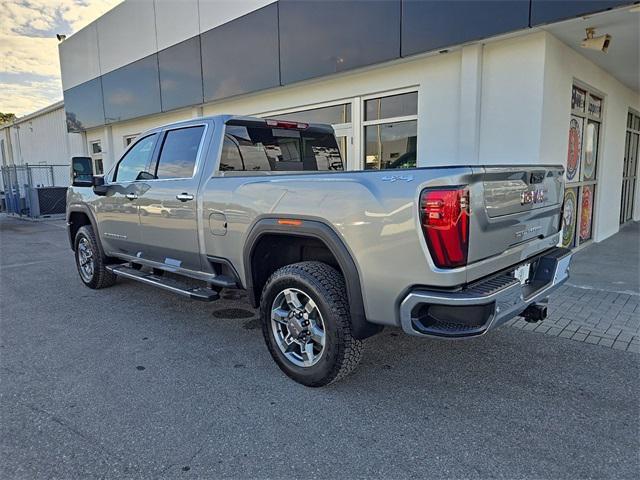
(522, 273)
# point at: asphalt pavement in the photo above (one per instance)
(138, 383)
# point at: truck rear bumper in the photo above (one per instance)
(483, 305)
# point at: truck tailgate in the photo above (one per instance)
(513, 205)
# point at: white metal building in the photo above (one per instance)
(40, 138)
(448, 82)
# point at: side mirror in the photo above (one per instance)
(99, 188)
(82, 172)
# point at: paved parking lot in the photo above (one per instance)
(134, 382)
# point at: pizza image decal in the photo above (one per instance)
(575, 147)
(569, 217)
(585, 213)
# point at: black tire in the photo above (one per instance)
(326, 287)
(101, 277)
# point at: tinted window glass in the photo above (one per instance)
(324, 37)
(180, 74)
(242, 55)
(179, 153)
(132, 91)
(391, 145)
(134, 163)
(392, 106)
(83, 105)
(230, 159)
(273, 149)
(431, 25)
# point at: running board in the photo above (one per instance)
(195, 293)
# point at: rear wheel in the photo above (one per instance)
(90, 260)
(306, 323)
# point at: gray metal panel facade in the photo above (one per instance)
(289, 41)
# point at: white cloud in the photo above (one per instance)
(28, 48)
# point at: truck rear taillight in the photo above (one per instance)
(444, 216)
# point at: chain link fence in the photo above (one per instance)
(34, 190)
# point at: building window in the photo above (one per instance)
(630, 167)
(391, 131)
(96, 148)
(332, 115)
(128, 139)
(96, 155)
(585, 126)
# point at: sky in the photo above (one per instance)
(29, 65)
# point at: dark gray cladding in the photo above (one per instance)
(294, 40)
(432, 25)
(547, 11)
(324, 37)
(83, 105)
(181, 75)
(241, 56)
(132, 91)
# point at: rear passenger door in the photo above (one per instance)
(168, 212)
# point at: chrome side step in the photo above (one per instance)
(195, 293)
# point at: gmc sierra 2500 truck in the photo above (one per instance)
(330, 256)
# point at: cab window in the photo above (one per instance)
(134, 164)
(179, 152)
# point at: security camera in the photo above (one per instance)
(600, 43)
(60, 37)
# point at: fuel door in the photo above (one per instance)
(218, 223)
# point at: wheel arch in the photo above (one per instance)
(266, 229)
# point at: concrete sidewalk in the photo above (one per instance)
(600, 304)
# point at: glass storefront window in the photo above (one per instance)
(335, 114)
(393, 106)
(391, 131)
(391, 145)
(585, 127)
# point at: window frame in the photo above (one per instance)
(155, 158)
(129, 137)
(405, 118)
(593, 183)
(114, 176)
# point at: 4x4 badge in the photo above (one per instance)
(397, 178)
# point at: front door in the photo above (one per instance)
(630, 167)
(168, 210)
(118, 211)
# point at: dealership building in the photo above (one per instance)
(401, 81)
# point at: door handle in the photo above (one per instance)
(184, 197)
(131, 196)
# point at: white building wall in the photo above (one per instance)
(511, 101)
(41, 139)
(563, 65)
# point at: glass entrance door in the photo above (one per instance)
(630, 168)
(344, 136)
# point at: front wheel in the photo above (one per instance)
(90, 261)
(306, 323)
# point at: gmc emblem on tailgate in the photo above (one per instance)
(532, 196)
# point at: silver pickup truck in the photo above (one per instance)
(330, 256)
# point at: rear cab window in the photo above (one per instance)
(263, 148)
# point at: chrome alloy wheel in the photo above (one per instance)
(85, 259)
(297, 327)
